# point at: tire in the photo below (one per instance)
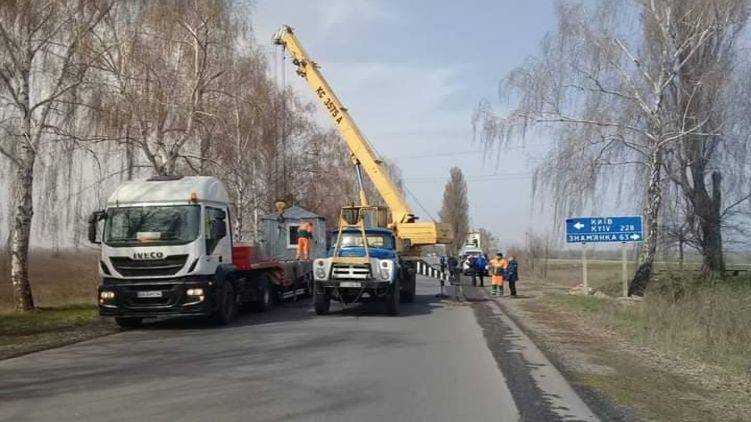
(128, 323)
(265, 300)
(392, 300)
(227, 304)
(309, 286)
(322, 302)
(408, 295)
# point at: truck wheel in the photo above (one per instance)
(128, 323)
(309, 285)
(392, 299)
(265, 296)
(227, 301)
(408, 295)
(322, 302)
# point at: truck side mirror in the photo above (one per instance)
(94, 220)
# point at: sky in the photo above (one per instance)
(411, 74)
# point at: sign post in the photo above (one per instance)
(604, 230)
(624, 269)
(585, 281)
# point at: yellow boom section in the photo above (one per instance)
(403, 219)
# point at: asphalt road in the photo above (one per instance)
(438, 361)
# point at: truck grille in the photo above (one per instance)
(128, 267)
(357, 272)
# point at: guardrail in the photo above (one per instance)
(455, 288)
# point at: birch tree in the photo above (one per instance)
(606, 92)
(43, 61)
(161, 72)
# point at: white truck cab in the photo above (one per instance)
(166, 250)
(166, 227)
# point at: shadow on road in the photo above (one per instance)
(423, 305)
(298, 311)
(282, 312)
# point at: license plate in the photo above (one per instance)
(149, 293)
(350, 284)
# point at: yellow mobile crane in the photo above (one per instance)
(366, 261)
(408, 230)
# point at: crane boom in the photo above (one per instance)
(403, 219)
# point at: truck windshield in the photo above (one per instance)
(154, 225)
(375, 240)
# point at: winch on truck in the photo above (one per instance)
(342, 275)
(167, 250)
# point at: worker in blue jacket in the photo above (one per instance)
(479, 270)
(512, 275)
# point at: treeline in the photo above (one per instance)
(647, 103)
(94, 92)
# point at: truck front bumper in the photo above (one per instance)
(354, 290)
(354, 284)
(153, 298)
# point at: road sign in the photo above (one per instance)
(604, 229)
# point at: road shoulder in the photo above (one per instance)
(618, 378)
(540, 390)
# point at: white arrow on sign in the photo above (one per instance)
(634, 237)
(578, 225)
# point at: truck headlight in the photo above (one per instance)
(194, 292)
(386, 268)
(319, 269)
(106, 295)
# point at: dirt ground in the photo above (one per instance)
(58, 278)
(648, 384)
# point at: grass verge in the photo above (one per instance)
(45, 319)
(700, 322)
(44, 328)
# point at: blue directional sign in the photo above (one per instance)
(604, 229)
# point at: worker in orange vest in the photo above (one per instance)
(304, 237)
(498, 267)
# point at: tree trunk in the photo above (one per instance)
(129, 156)
(711, 230)
(708, 210)
(21, 229)
(205, 146)
(651, 218)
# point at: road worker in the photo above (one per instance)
(304, 237)
(453, 267)
(498, 267)
(480, 265)
(512, 275)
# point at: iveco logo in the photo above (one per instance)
(148, 255)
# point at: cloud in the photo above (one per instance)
(337, 13)
(321, 20)
(395, 94)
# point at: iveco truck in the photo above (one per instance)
(167, 250)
